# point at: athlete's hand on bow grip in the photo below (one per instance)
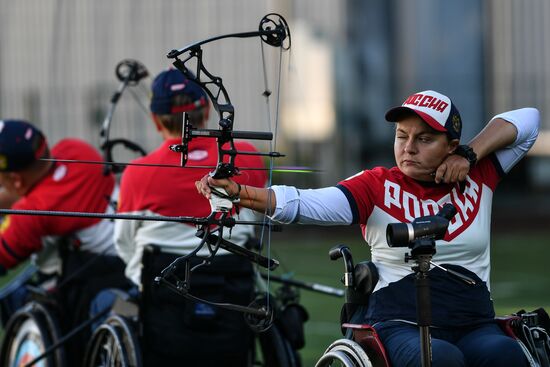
(203, 186)
(453, 169)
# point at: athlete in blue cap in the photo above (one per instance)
(61, 247)
(176, 330)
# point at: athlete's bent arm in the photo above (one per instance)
(510, 135)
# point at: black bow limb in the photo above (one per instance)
(129, 72)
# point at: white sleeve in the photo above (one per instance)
(124, 236)
(526, 121)
(326, 206)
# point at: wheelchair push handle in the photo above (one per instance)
(338, 251)
(343, 251)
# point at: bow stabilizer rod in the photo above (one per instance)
(224, 222)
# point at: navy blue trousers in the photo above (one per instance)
(482, 346)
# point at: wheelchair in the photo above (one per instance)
(117, 343)
(45, 317)
(123, 340)
(363, 348)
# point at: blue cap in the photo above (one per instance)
(20, 145)
(170, 83)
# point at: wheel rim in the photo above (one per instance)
(335, 358)
(131, 345)
(27, 344)
(107, 349)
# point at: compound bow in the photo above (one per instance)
(274, 31)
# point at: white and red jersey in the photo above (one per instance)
(382, 196)
(172, 192)
(67, 187)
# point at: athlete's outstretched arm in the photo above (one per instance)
(256, 198)
(287, 204)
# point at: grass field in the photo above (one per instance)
(520, 277)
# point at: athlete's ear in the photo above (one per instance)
(157, 122)
(207, 111)
(16, 180)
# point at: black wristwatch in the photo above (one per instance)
(468, 153)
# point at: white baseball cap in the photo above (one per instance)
(434, 108)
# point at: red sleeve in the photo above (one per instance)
(361, 191)
(75, 187)
(20, 236)
(126, 197)
(489, 170)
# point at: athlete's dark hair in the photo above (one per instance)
(173, 122)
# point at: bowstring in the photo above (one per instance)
(272, 147)
(267, 94)
(140, 103)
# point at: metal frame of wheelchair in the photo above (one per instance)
(34, 329)
(116, 342)
(364, 349)
(44, 324)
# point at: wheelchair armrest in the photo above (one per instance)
(508, 324)
(366, 336)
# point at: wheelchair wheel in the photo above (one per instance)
(276, 350)
(113, 344)
(335, 358)
(29, 333)
(344, 352)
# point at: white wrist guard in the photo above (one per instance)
(220, 201)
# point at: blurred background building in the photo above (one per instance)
(349, 62)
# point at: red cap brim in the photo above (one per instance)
(397, 114)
